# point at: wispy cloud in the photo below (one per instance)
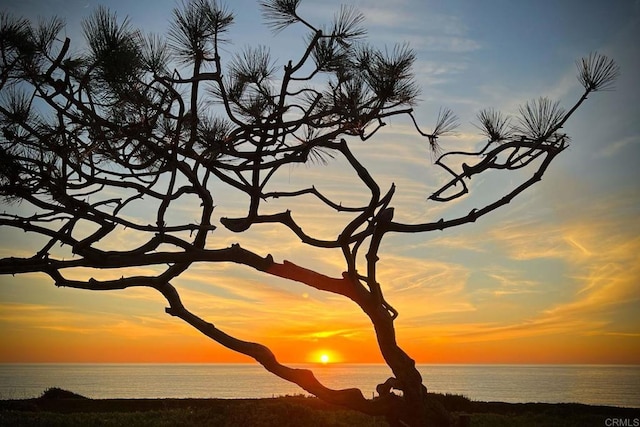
(614, 148)
(75, 321)
(511, 282)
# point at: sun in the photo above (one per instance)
(324, 357)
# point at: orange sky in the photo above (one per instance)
(552, 278)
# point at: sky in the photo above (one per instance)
(554, 277)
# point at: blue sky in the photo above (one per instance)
(553, 277)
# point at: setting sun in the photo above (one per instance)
(325, 357)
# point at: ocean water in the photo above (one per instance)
(613, 385)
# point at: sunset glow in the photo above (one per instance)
(553, 277)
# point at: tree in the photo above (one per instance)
(86, 137)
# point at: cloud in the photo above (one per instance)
(445, 44)
(601, 258)
(527, 240)
(76, 321)
(615, 147)
(509, 282)
(431, 73)
(10, 311)
(404, 22)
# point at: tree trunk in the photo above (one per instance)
(414, 408)
(418, 410)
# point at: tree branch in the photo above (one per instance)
(351, 398)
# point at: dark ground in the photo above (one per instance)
(62, 408)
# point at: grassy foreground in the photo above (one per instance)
(62, 408)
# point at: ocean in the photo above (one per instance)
(613, 385)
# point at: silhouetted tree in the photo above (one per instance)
(87, 136)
